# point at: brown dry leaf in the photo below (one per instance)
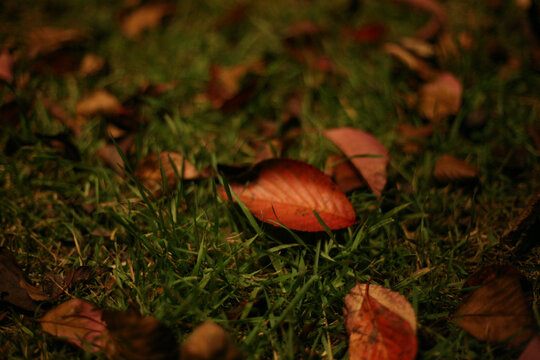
(343, 173)
(100, 102)
(6, 66)
(440, 98)
(451, 169)
(78, 322)
(14, 287)
(422, 68)
(91, 64)
(145, 17)
(497, 311)
(381, 324)
(109, 154)
(360, 147)
(225, 82)
(367, 33)
(209, 341)
(130, 335)
(149, 173)
(49, 39)
(411, 138)
(526, 227)
(419, 47)
(532, 351)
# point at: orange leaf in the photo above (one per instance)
(288, 191)
(78, 321)
(355, 143)
(145, 17)
(440, 98)
(381, 324)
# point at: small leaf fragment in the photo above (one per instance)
(343, 173)
(381, 324)
(451, 169)
(100, 102)
(78, 322)
(209, 341)
(145, 17)
(440, 98)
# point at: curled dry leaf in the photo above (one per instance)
(343, 173)
(145, 17)
(209, 341)
(49, 39)
(78, 322)
(100, 102)
(14, 288)
(440, 98)
(130, 335)
(381, 324)
(289, 191)
(360, 147)
(422, 68)
(498, 310)
(451, 169)
(6, 66)
(149, 172)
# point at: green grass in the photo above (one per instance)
(190, 256)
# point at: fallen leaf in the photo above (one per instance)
(209, 341)
(368, 33)
(6, 66)
(289, 191)
(419, 47)
(109, 153)
(130, 335)
(422, 68)
(440, 98)
(497, 311)
(226, 82)
(149, 172)
(145, 17)
(91, 64)
(451, 169)
(78, 322)
(381, 324)
(100, 102)
(357, 143)
(49, 39)
(343, 173)
(524, 229)
(14, 287)
(411, 138)
(532, 351)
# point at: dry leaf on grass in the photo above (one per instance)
(6, 66)
(49, 39)
(209, 341)
(145, 17)
(498, 310)
(411, 138)
(525, 228)
(440, 98)
(109, 153)
(100, 102)
(419, 47)
(91, 64)
(365, 152)
(14, 287)
(149, 172)
(381, 324)
(451, 169)
(130, 335)
(78, 322)
(422, 68)
(288, 192)
(532, 351)
(343, 173)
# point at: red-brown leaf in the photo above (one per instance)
(449, 169)
(381, 324)
(6, 66)
(343, 173)
(288, 191)
(440, 98)
(355, 143)
(78, 321)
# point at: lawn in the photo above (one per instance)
(225, 85)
